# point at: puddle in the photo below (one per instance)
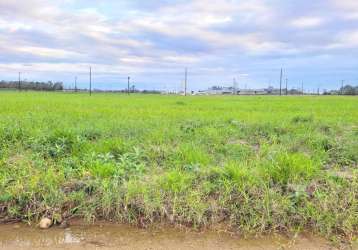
(109, 236)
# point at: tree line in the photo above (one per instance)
(345, 90)
(31, 85)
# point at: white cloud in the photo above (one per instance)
(307, 22)
(48, 52)
(181, 59)
(345, 40)
(13, 26)
(199, 20)
(348, 8)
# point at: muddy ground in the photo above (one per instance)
(111, 236)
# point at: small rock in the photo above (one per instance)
(16, 226)
(45, 223)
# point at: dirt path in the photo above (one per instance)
(110, 236)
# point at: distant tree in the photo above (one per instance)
(294, 92)
(31, 85)
(349, 90)
(345, 90)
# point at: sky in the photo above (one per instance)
(153, 41)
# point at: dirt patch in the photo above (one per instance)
(113, 236)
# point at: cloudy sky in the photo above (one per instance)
(316, 42)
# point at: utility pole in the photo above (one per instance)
(342, 87)
(281, 82)
(90, 81)
(185, 81)
(128, 84)
(234, 87)
(302, 88)
(76, 84)
(19, 81)
(286, 86)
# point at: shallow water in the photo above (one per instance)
(109, 236)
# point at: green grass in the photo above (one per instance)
(259, 164)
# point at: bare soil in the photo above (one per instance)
(113, 236)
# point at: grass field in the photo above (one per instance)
(258, 164)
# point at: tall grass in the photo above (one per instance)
(258, 164)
